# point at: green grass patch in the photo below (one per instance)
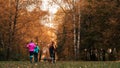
(59, 64)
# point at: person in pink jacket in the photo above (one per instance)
(31, 47)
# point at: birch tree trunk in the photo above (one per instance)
(75, 33)
(78, 40)
(74, 24)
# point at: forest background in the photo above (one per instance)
(75, 26)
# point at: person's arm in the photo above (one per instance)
(38, 48)
(34, 45)
(54, 49)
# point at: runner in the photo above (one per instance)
(31, 47)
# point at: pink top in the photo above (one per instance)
(31, 46)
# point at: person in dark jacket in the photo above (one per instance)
(52, 52)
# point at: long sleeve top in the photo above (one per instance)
(31, 46)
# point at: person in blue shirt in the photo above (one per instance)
(36, 51)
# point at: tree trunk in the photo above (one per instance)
(78, 40)
(75, 30)
(75, 41)
(12, 27)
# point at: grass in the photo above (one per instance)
(60, 64)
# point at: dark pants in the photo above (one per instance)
(31, 56)
(36, 57)
(52, 56)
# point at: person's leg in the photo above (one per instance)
(52, 58)
(31, 56)
(35, 57)
(31, 59)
